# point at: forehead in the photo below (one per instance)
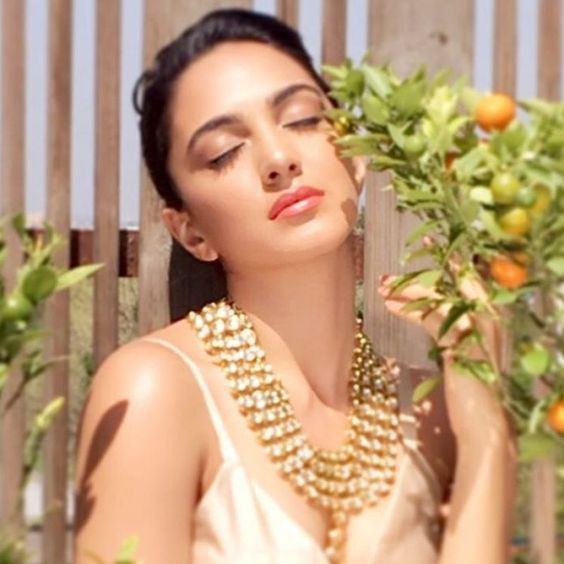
(232, 76)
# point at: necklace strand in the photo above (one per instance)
(341, 482)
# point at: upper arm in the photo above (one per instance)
(438, 444)
(139, 457)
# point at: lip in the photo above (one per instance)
(290, 198)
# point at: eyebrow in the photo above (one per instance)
(227, 119)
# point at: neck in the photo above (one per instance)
(304, 315)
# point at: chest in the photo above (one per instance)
(324, 428)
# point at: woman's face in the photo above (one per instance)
(246, 127)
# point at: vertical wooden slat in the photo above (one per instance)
(543, 481)
(406, 34)
(12, 200)
(58, 310)
(288, 10)
(505, 46)
(551, 20)
(106, 217)
(163, 20)
(333, 46)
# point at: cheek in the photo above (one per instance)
(227, 210)
(338, 173)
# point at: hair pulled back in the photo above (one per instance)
(194, 283)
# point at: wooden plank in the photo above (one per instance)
(163, 20)
(505, 46)
(550, 23)
(106, 218)
(289, 11)
(406, 34)
(333, 44)
(543, 478)
(58, 310)
(12, 200)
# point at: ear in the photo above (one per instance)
(182, 228)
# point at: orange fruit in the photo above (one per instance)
(555, 416)
(495, 111)
(515, 221)
(450, 157)
(507, 273)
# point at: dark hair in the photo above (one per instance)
(193, 283)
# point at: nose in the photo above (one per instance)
(280, 168)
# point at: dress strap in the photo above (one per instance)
(408, 421)
(226, 446)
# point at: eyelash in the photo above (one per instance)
(227, 158)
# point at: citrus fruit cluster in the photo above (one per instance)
(484, 174)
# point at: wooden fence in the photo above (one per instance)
(406, 33)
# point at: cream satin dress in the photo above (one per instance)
(238, 522)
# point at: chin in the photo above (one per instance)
(316, 238)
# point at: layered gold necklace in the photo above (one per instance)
(341, 482)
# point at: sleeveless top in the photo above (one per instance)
(237, 521)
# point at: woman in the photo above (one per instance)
(175, 449)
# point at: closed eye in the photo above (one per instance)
(306, 122)
(221, 162)
(225, 158)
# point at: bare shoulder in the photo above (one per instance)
(144, 378)
(437, 441)
(139, 455)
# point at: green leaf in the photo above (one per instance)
(45, 418)
(383, 162)
(4, 371)
(456, 124)
(420, 231)
(535, 446)
(537, 416)
(76, 275)
(127, 550)
(420, 303)
(536, 361)
(407, 98)
(503, 296)
(454, 314)
(442, 104)
(424, 388)
(512, 138)
(405, 279)
(469, 210)
(489, 222)
(482, 195)
(538, 106)
(397, 135)
(429, 278)
(18, 223)
(39, 283)
(354, 82)
(466, 165)
(339, 72)
(480, 369)
(556, 264)
(378, 80)
(470, 98)
(415, 254)
(374, 109)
